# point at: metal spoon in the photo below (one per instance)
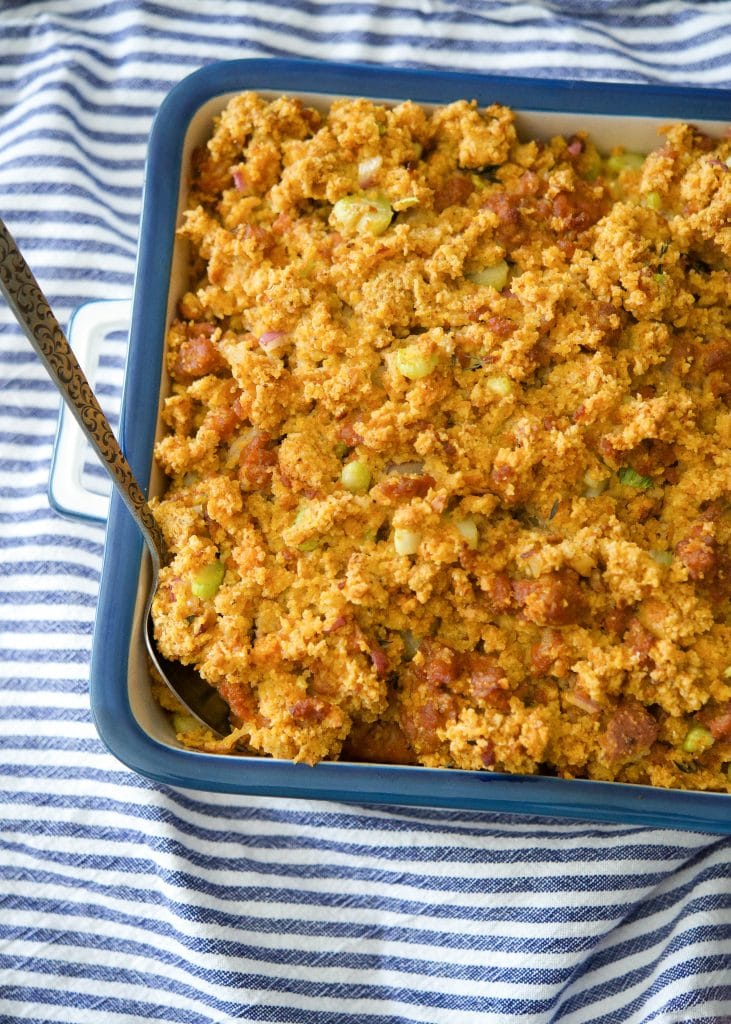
(30, 308)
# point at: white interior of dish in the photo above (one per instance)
(639, 134)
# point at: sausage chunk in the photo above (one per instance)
(487, 680)
(550, 655)
(256, 462)
(402, 488)
(197, 357)
(378, 742)
(440, 664)
(698, 552)
(310, 710)
(426, 704)
(455, 191)
(631, 730)
(554, 599)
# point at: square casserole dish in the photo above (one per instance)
(128, 720)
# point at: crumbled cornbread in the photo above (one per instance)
(448, 444)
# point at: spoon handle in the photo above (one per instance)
(30, 308)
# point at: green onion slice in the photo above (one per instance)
(631, 478)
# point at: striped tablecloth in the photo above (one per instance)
(123, 900)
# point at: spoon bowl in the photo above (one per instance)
(32, 311)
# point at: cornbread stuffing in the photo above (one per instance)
(448, 445)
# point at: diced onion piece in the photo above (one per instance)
(205, 583)
(626, 161)
(411, 644)
(653, 200)
(697, 739)
(379, 660)
(631, 478)
(405, 468)
(594, 483)
(271, 341)
(469, 532)
(236, 448)
(183, 722)
(406, 542)
(310, 543)
(356, 477)
(500, 386)
(360, 215)
(406, 202)
(240, 182)
(582, 700)
(727, 672)
(495, 276)
(411, 362)
(367, 169)
(662, 557)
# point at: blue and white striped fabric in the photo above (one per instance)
(122, 900)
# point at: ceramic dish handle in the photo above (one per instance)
(69, 493)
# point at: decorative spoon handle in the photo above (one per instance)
(44, 332)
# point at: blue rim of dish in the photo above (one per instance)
(343, 782)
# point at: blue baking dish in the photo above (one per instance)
(129, 722)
